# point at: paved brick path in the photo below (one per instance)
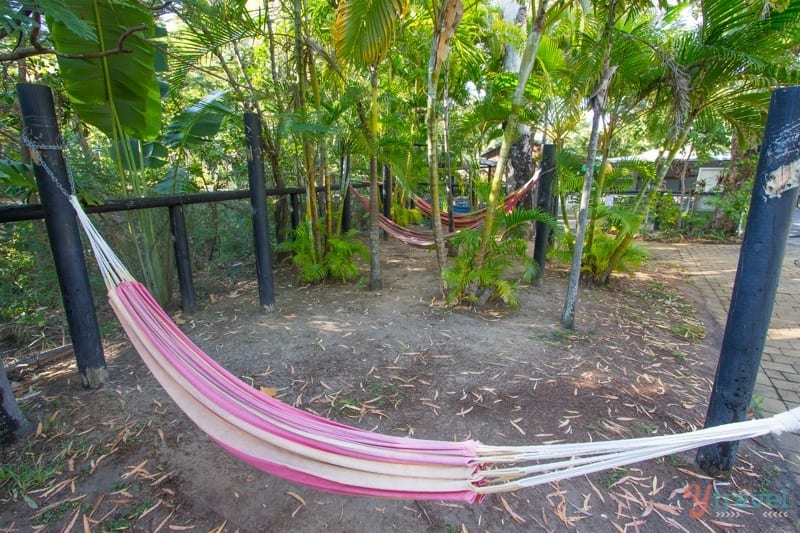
(712, 269)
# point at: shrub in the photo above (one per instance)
(338, 262)
(507, 249)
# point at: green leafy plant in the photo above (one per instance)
(597, 258)
(506, 250)
(405, 216)
(666, 211)
(339, 261)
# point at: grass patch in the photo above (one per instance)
(25, 471)
(614, 475)
(128, 520)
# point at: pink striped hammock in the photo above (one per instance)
(472, 218)
(418, 239)
(307, 449)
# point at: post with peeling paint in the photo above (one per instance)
(760, 259)
(544, 201)
(52, 177)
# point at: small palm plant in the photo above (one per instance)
(339, 261)
(610, 224)
(507, 250)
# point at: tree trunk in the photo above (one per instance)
(509, 134)
(449, 16)
(520, 156)
(520, 163)
(740, 170)
(273, 140)
(13, 424)
(597, 102)
(684, 171)
(375, 280)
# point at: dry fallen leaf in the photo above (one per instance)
(272, 392)
(517, 518)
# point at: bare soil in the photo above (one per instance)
(399, 361)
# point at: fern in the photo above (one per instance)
(339, 261)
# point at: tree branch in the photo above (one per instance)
(37, 49)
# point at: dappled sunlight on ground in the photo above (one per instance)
(783, 334)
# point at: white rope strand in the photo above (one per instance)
(611, 454)
(788, 421)
(111, 267)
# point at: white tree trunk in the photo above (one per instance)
(520, 157)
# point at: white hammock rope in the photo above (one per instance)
(112, 269)
(484, 474)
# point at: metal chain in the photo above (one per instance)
(37, 159)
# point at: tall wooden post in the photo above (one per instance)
(294, 200)
(544, 201)
(347, 209)
(760, 259)
(387, 195)
(180, 241)
(41, 125)
(258, 204)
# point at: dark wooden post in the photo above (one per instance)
(544, 201)
(760, 259)
(347, 210)
(294, 200)
(387, 196)
(387, 191)
(183, 262)
(39, 117)
(13, 423)
(258, 204)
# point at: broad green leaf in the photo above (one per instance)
(15, 17)
(116, 93)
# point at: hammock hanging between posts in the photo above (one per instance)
(472, 220)
(418, 239)
(467, 220)
(308, 449)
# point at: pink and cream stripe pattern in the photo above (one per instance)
(307, 449)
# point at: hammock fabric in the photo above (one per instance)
(407, 236)
(311, 450)
(470, 219)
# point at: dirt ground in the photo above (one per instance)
(640, 362)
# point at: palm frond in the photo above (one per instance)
(364, 29)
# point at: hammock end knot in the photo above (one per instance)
(786, 422)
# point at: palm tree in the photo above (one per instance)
(597, 103)
(724, 68)
(362, 34)
(509, 133)
(447, 16)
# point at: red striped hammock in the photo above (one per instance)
(467, 220)
(307, 449)
(418, 239)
